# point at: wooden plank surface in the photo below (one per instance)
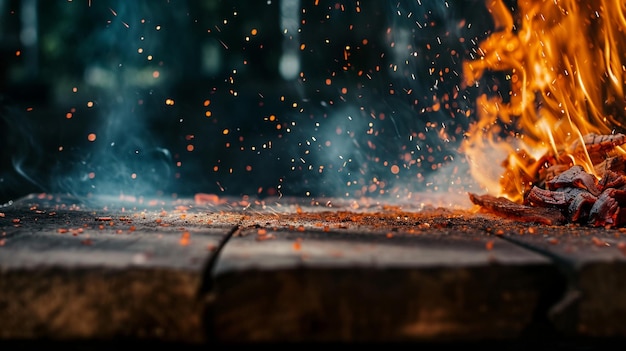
(212, 270)
(378, 276)
(68, 272)
(594, 262)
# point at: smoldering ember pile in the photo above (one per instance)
(562, 193)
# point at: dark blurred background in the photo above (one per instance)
(261, 98)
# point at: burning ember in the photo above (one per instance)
(557, 128)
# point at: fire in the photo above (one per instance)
(564, 60)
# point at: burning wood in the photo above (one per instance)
(508, 208)
(578, 196)
(566, 71)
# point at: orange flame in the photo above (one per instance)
(564, 60)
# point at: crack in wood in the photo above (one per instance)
(206, 285)
(559, 308)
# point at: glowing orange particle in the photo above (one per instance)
(169, 102)
(68, 115)
(203, 198)
(184, 240)
(91, 137)
(329, 81)
(225, 131)
(395, 169)
(156, 74)
(206, 103)
(190, 147)
(208, 114)
(90, 104)
(254, 31)
(489, 245)
(436, 106)
(597, 242)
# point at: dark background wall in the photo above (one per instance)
(188, 96)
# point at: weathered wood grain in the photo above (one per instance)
(594, 262)
(324, 271)
(343, 276)
(74, 273)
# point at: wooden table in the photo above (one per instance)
(220, 270)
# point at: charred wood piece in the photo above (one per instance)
(575, 203)
(575, 194)
(546, 198)
(507, 208)
(599, 142)
(575, 177)
(606, 211)
(612, 179)
(580, 206)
